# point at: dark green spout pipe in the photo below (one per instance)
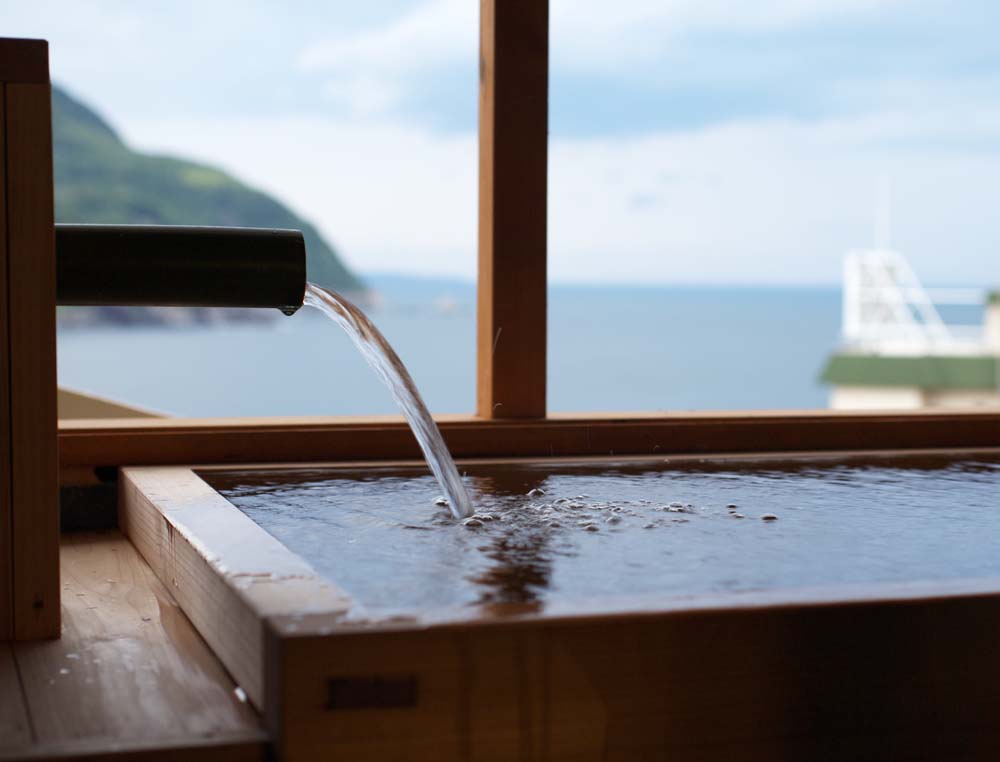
(174, 266)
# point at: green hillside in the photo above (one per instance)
(99, 179)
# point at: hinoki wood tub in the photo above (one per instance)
(876, 671)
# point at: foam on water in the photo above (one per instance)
(379, 354)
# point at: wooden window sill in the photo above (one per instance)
(88, 444)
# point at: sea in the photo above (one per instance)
(627, 348)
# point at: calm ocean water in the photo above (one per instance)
(611, 348)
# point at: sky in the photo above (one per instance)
(691, 141)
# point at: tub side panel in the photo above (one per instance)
(227, 573)
(908, 680)
(227, 623)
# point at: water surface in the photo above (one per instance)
(599, 533)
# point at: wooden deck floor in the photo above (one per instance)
(130, 676)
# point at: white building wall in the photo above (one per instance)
(876, 398)
(963, 398)
(910, 398)
(993, 328)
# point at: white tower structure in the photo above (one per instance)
(896, 349)
(886, 309)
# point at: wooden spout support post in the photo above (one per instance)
(29, 507)
(513, 159)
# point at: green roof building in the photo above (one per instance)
(875, 381)
(898, 353)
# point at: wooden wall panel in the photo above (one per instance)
(32, 360)
(513, 165)
(6, 552)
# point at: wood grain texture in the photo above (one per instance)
(513, 167)
(221, 749)
(24, 60)
(867, 672)
(89, 444)
(15, 729)
(6, 550)
(129, 674)
(32, 355)
(226, 572)
(901, 681)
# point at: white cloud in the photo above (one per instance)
(760, 201)
(384, 59)
(751, 202)
(433, 33)
(389, 196)
(766, 202)
(587, 36)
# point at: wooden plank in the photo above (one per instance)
(914, 681)
(740, 460)
(15, 730)
(90, 444)
(220, 749)
(172, 516)
(24, 60)
(513, 166)
(129, 673)
(428, 726)
(32, 314)
(6, 550)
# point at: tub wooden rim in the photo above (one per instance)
(241, 587)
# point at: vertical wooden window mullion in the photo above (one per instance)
(6, 530)
(513, 166)
(29, 497)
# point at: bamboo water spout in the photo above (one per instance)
(180, 266)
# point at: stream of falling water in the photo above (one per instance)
(382, 358)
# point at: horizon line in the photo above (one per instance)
(804, 285)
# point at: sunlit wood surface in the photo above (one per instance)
(129, 677)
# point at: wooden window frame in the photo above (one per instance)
(29, 510)
(512, 420)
